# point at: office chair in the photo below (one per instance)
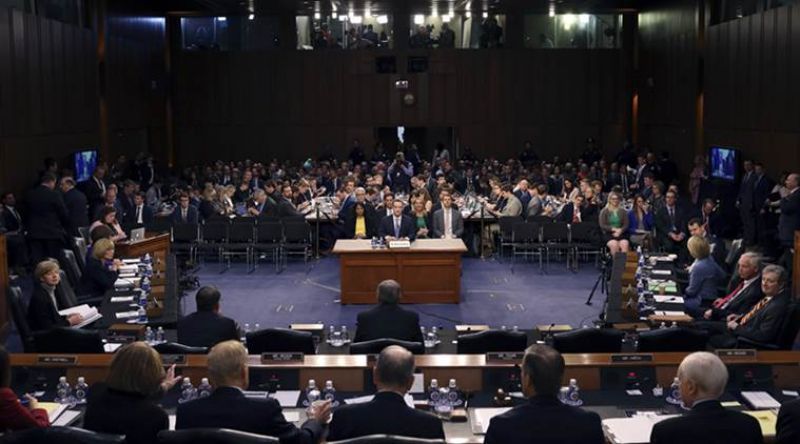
(18, 314)
(67, 340)
(212, 436)
(492, 341)
(375, 346)
(387, 439)
(672, 339)
(589, 340)
(61, 435)
(174, 348)
(278, 340)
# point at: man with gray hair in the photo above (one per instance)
(744, 290)
(388, 319)
(703, 377)
(387, 412)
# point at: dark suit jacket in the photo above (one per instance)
(708, 423)
(42, 315)
(369, 221)
(743, 301)
(287, 210)
(129, 414)
(545, 420)
(766, 324)
(388, 321)
(205, 329)
(97, 279)
(387, 413)
(94, 194)
(77, 209)
(147, 216)
(191, 215)
(407, 227)
(789, 221)
(47, 215)
(789, 423)
(227, 407)
(10, 222)
(456, 222)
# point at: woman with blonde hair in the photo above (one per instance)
(102, 270)
(44, 304)
(614, 223)
(704, 276)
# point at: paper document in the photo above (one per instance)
(362, 399)
(286, 398)
(111, 348)
(130, 261)
(419, 383)
(634, 430)
(126, 282)
(127, 275)
(661, 272)
(126, 314)
(671, 299)
(482, 416)
(66, 418)
(88, 313)
(761, 400)
(669, 286)
(253, 394)
(122, 299)
(172, 420)
(766, 419)
(670, 313)
(292, 416)
(54, 409)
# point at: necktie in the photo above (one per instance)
(396, 227)
(722, 302)
(101, 185)
(672, 217)
(448, 229)
(756, 308)
(183, 214)
(139, 214)
(576, 215)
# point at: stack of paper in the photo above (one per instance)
(362, 399)
(88, 313)
(668, 299)
(767, 420)
(761, 400)
(54, 409)
(669, 286)
(634, 430)
(126, 282)
(482, 416)
(286, 398)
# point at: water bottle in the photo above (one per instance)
(204, 389)
(435, 332)
(424, 334)
(81, 388)
(503, 328)
(454, 396)
(147, 259)
(245, 331)
(563, 395)
(640, 255)
(374, 243)
(312, 393)
(160, 335)
(345, 335)
(515, 329)
(433, 393)
(256, 326)
(663, 325)
(141, 317)
(63, 391)
(674, 396)
(187, 391)
(429, 340)
(142, 299)
(443, 407)
(145, 285)
(149, 336)
(574, 394)
(329, 394)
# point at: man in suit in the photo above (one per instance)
(544, 419)
(126, 198)
(744, 291)
(447, 221)
(185, 213)
(264, 206)
(788, 427)
(388, 319)
(398, 225)
(47, 221)
(227, 407)
(702, 377)
(140, 214)
(77, 205)
(206, 327)
(14, 231)
(746, 204)
(387, 413)
(762, 186)
(109, 200)
(94, 188)
(399, 174)
(513, 206)
(789, 220)
(718, 252)
(671, 224)
(286, 208)
(571, 213)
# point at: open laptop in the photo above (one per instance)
(137, 234)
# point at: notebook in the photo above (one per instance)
(89, 314)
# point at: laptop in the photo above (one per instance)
(137, 234)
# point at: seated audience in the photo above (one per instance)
(264, 206)
(512, 206)
(640, 221)
(360, 223)
(141, 214)
(703, 377)
(388, 319)
(398, 225)
(44, 304)
(447, 221)
(544, 418)
(125, 403)
(206, 327)
(210, 206)
(102, 270)
(704, 276)
(387, 412)
(696, 228)
(286, 207)
(13, 414)
(227, 407)
(670, 224)
(614, 223)
(744, 290)
(184, 213)
(788, 427)
(421, 218)
(108, 218)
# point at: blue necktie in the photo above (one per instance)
(396, 228)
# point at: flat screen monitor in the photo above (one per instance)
(724, 163)
(85, 162)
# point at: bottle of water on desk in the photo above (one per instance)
(160, 335)
(374, 243)
(444, 408)
(141, 315)
(574, 394)
(145, 285)
(674, 396)
(81, 388)
(187, 391)
(149, 336)
(433, 394)
(204, 389)
(256, 327)
(312, 393)
(245, 331)
(345, 335)
(63, 391)
(329, 394)
(435, 332)
(454, 395)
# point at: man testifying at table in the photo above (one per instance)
(544, 419)
(398, 225)
(387, 412)
(388, 319)
(206, 327)
(447, 221)
(703, 377)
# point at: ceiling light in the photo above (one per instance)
(222, 19)
(485, 15)
(383, 19)
(568, 20)
(419, 19)
(447, 18)
(334, 15)
(552, 12)
(317, 16)
(434, 11)
(468, 14)
(357, 19)
(367, 12)
(251, 17)
(583, 20)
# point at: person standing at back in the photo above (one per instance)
(47, 221)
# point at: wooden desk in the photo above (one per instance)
(158, 244)
(429, 271)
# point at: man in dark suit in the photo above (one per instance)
(77, 205)
(671, 223)
(762, 186)
(789, 220)
(140, 214)
(398, 225)
(47, 221)
(94, 188)
(227, 407)
(788, 427)
(286, 208)
(544, 419)
(744, 291)
(264, 206)
(184, 213)
(702, 377)
(206, 327)
(718, 251)
(746, 204)
(447, 221)
(388, 320)
(14, 231)
(387, 412)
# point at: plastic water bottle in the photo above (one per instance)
(145, 285)
(374, 243)
(515, 329)
(563, 395)
(443, 407)
(187, 391)
(63, 391)
(424, 334)
(345, 335)
(141, 315)
(435, 332)
(503, 328)
(329, 393)
(245, 331)
(81, 388)
(204, 389)
(454, 395)
(312, 393)
(142, 301)
(256, 326)
(149, 336)
(674, 396)
(160, 335)
(574, 393)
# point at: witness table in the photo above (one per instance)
(429, 272)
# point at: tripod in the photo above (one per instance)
(602, 279)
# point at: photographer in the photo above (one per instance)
(400, 173)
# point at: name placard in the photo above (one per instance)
(618, 358)
(504, 356)
(282, 357)
(57, 360)
(744, 354)
(173, 359)
(399, 244)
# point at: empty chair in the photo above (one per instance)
(20, 320)
(86, 234)
(506, 223)
(387, 439)
(492, 341)
(555, 237)
(213, 237)
(375, 346)
(277, 340)
(269, 236)
(296, 238)
(184, 239)
(585, 238)
(525, 241)
(67, 340)
(174, 348)
(241, 235)
(159, 225)
(589, 340)
(81, 250)
(61, 435)
(673, 339)
(74, 272)
(212, 436)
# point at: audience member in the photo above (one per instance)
(47, 221)
(184, 213)
(671, 224)
(744, 291)
(206, 327)
(13, 414)
(614, 223)
(76, 204)
(447, 221)
(14, 230)
(108, 218)
(388, 319)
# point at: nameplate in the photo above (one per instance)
(504, 356)
(57, 360)
(618, 358)
(744, 354)
(399, 244)
(173, 359)
(282, 357)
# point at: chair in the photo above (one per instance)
(269, 236)
(555, 237)
(296, 239)
(81, 249)
(174, 348)
(213, 237)
(72, 268)
(241, 235)
(589, 340)
(67, 340)
(212, 436)
(64, 292)
(492, 341)
(786, 336)
(18, 314)
(506, 223)
(375, 346)
(61, 435)
(280, 340)
(86, 234)
(185, 238)
(584, 238)
(387, 439)
(159, 225)
(672, 339)
(525, 241)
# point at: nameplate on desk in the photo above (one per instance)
(173, 359)
(744, 354)
(282, 357)
(504, 356)
(57, 360)
(395, 244)
(616, 358)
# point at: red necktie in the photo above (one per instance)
(722, 301)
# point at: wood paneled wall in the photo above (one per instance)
(288, 104)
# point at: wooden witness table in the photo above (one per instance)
(429, 272)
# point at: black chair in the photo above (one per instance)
(72, 268)
(672, 339)
(506, 223)
(589, 340)
(67, 295)
(81, 250)
(18, 314)
(269, 237)
(555, 237)
(174, 348)
(212, 436)
(67, 340)
(277, 340)
(61, 435)
(526, 242)
(213, 237)
(585, 238)
(786, 336)
(296, 239)
(185, 238)
(241, 235)
(86, 234)
(376, 346)
(159, 225)
(492, 341)
(387, 439)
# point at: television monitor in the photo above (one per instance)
(724, 163)
(85, 162)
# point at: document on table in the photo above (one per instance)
(291, 416)
(634, 430)
(126, 314)
(482, 416)
(419, 383)
(130, 261)
(286, 398)
(66, 418)
(661, 272)
(671, 299)
(112, 347)
(362, 399)
(88, 313)
(126, 282)
(669, 313)
(761, 400)
(122, 299)
(53, 409)
(766, 419)
(669, 286)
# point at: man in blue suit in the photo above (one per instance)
(398, 225)
(184, 213)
